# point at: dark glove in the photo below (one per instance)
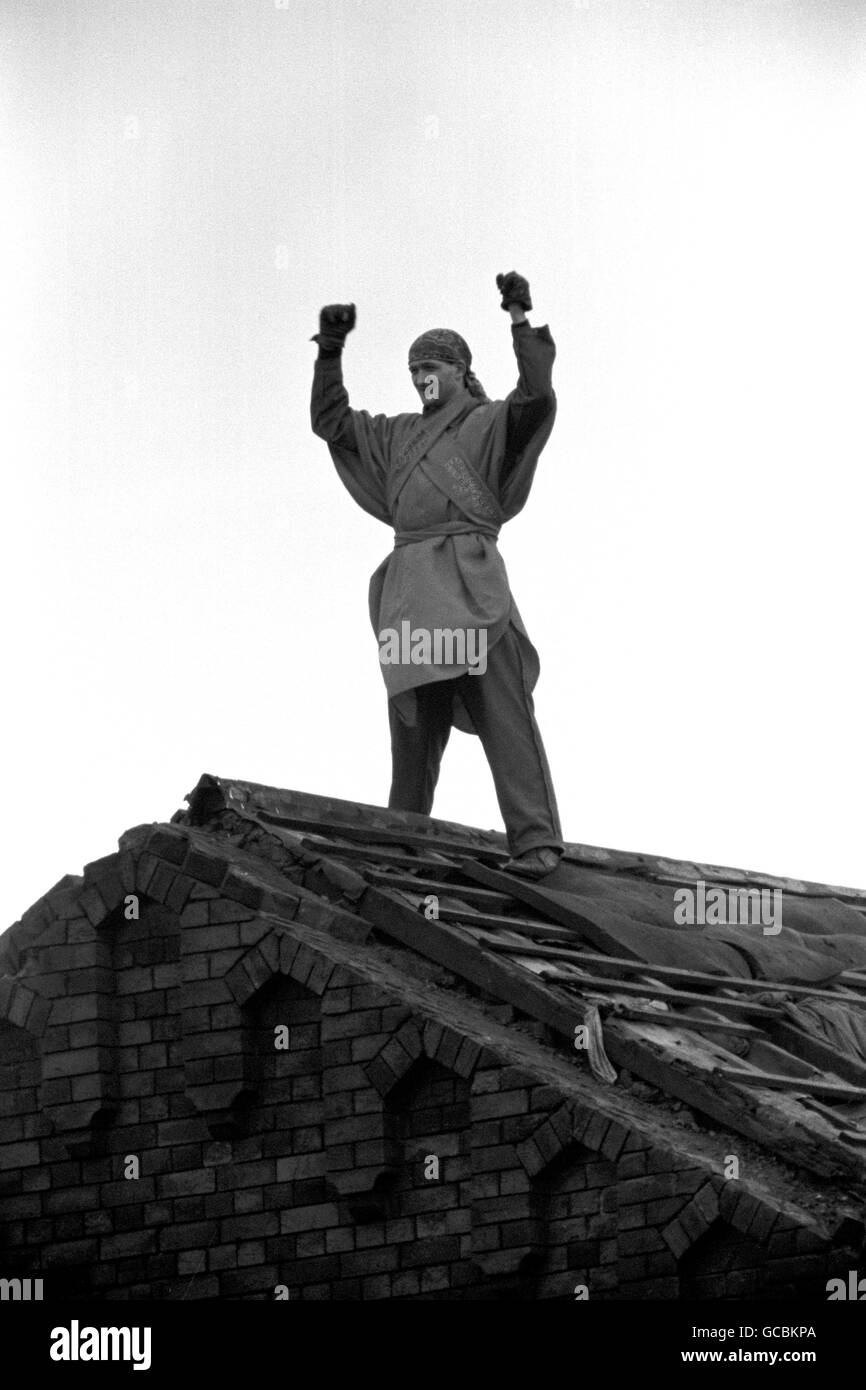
(514, 290)
(335, 322)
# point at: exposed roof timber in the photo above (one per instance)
(773, 1120)
(370, 823)
(482, 897)
(378, 855)
(488, 922)
(676, 1056)
(618, 966)
(352, 820)
(689, 1023)
(268, 838)
(683, 998)
(819, 1086)
(786, 1034)
(457, 952)
(790, 1135)
(371, 835)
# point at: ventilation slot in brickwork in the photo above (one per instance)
(722, 1263)
(428, 1120)
(284, 1081)
(20, 1125)
(145, 958)
(574, 1202)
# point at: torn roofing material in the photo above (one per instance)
(762, 1034)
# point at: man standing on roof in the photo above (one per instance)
(446, 479)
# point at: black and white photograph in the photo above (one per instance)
(433, 573)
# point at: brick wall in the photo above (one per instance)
(220, 1098)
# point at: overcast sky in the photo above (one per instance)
(186, 183)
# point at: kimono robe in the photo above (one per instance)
(445, 571)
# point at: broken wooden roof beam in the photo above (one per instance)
(676, 997)
(469, 893)
(375, 855)
(816, 1050)
(814, 1085)
(367, 834)
(786, 1131)
(620, 966)
(616, 1009)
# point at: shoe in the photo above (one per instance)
(535, 863)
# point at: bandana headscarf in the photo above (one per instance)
(444, 345)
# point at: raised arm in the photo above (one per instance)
(359, 443)
(533, 401)
(330, 414)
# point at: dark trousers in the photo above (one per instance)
(501, 707)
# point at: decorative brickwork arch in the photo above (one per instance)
(416, 1039)
(568, 1124)
(569, 1162)
(218, 1084)
(366, 1188)
(731, 1244)
(696, 1217)
(279, 954)
(731, 1203)
(723, 1263)
(62, 938)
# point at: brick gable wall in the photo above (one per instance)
(306, 1166)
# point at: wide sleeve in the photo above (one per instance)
(359, 444)
(330, 414)
(531, 410)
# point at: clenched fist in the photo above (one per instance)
(335, 322)
(514, 290)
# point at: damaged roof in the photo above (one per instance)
(757, 1022)
(754, 1027)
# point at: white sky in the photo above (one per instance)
(185, 183)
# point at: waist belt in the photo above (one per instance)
(446, 528)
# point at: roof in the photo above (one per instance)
(737, 1028)
(762, 1031)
